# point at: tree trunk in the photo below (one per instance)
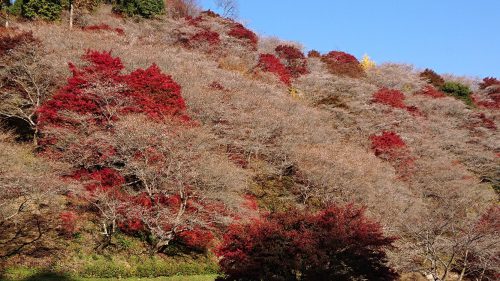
(35, 137)
(71, 16)
(462, 273)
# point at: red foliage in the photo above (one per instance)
(485, 122)
(131, 225)
(432, 77)
(10, 39)
(251, 202)
(430, 91)
(194, 21)
(490, 220)
(387, 142)
(197, 239)
(339, 243)
(341, 57)
(270, 63)
(393, 98)
(241, 32)
(487, 82)
(313, 54)
(391, 147)
(105, 179)
(206, 36)
(68, 222)
(237, 156)
(490, 100)
(341, 63)
(294, 59)
(104, 27)
(149, 91)
(216, 86)
(210, 13)
(154, 93)
(415, 111)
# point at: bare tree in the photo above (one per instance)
(25, 82)
(28, 187)
(229, 8)
(177, 165)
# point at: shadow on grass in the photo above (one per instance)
(49, 276)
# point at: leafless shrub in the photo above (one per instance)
(29, 189)
(182, 8)
(267, 45)
(26, 81)
(229, 8)
(396, 76)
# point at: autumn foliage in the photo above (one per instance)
(395, 99)
(430, 91)
(241, 32)
(208, 37)
(104, 27)
(391, 147)
(294, 60)
(68, 222)
(489, 94)
(11, 39)
(392, 98)
(339, 243)
(432, 78)
(488, 81)
(79, 127)
(313, 54)
(270, 63)
(387, 142)
(341, 63)
(143, 91)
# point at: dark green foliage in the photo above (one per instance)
(42, 9)
(143, 8)
(459, 91)
(14, 9)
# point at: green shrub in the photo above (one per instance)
(143, 8)
(103, 268)
(19, 273)
(458, 91)
(42, 9)
(14, 9)
(156, 267)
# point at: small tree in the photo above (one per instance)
(143, 8)
(229, 8)
(339, 243)
(42, 9)
(24, 82)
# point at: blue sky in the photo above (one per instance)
(450, 36)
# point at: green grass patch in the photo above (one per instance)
(29, 275)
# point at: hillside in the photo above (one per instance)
(163, 133)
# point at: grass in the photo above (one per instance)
(53, 277)
(171, 278)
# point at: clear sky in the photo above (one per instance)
(450, 36)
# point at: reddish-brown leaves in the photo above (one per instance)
(320, 246)
(340, 63)
(294, 60)
(270, 63)
(241, 32)
(104, 27)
